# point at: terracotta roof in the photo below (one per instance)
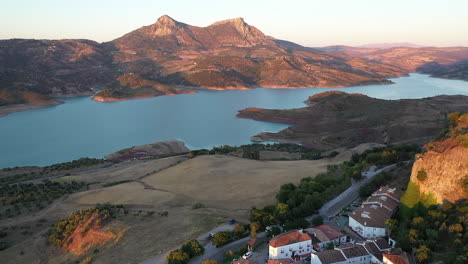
(353, 250)
(280, 261)
(326, 232)
(288, 238)
(399, 257)
(329, 256)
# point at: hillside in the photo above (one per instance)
(441, 172)
(152, 60)
(337, 119)
(448, 62)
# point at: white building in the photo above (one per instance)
(369, 219)
(368, 252)
(295, 245)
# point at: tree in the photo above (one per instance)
(422, 175)
(193, 248)
(239, 229)
(318, 220)
(221, 238)
(423, 254)
(177, 257)
(254, 227)
(296, 223)
(274, 231)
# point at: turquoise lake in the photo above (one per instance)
(84, 128)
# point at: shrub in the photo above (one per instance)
(193, 248)
(318, 220)
(198, 206)
(177, 256)
(422, 175)
(221, 238)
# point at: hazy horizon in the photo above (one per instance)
(309, 23)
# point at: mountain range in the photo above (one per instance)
(170, 57)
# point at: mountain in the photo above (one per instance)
(336, 119)
(391, 45)
(229, 54)
(408, 58)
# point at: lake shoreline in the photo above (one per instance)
(10, 109)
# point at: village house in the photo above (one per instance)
(368, 220)
(369, 252)
(323, 235)
(296, 244)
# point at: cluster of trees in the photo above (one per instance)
(33, 196)
(388, 155)
(225, 237)
(82, 162)
(61, 231)
(251, 151)
(190, 249)
(432, 230)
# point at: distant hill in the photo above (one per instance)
(151, 60)
(336, 119)
(391, 45)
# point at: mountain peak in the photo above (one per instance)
(236, 21)
(165, 25)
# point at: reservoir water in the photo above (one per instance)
(84, 128)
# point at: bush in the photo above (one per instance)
(198, 206)
(318, 220)
(193, 248)
(177, 256)
(422, 175)
(221, 238)
(296, 224)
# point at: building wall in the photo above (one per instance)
(366, 231)
(359, 260)
(300, 248)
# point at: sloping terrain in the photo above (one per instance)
(151, 60)
(337, 119)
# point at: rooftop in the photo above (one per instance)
(290, 237)
(280, 261)
(353, 250)
(326, 232)
(387, 191)
(370, 216)
(397, 256)
(329, 256)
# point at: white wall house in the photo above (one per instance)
(295, 244)
(366, 229)
(322, 235)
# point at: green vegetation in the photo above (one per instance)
(61, 231)
(116, 183)
(318, 220)
(422, 175)
(51, 170)
(190, 249)
(210, 261)
(413, 196)
(251, 151)
(438, 232)
(34, 196)
(198, 206)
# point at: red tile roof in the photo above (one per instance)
(288, 238)
(397, 259)
(280, 261)
(329, 231)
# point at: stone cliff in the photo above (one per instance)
(442, 172)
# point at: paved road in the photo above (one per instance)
(214, 253)
(333, 207)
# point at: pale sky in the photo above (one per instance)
(307, 22)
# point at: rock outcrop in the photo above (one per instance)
(442, 171)
(157, 149)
